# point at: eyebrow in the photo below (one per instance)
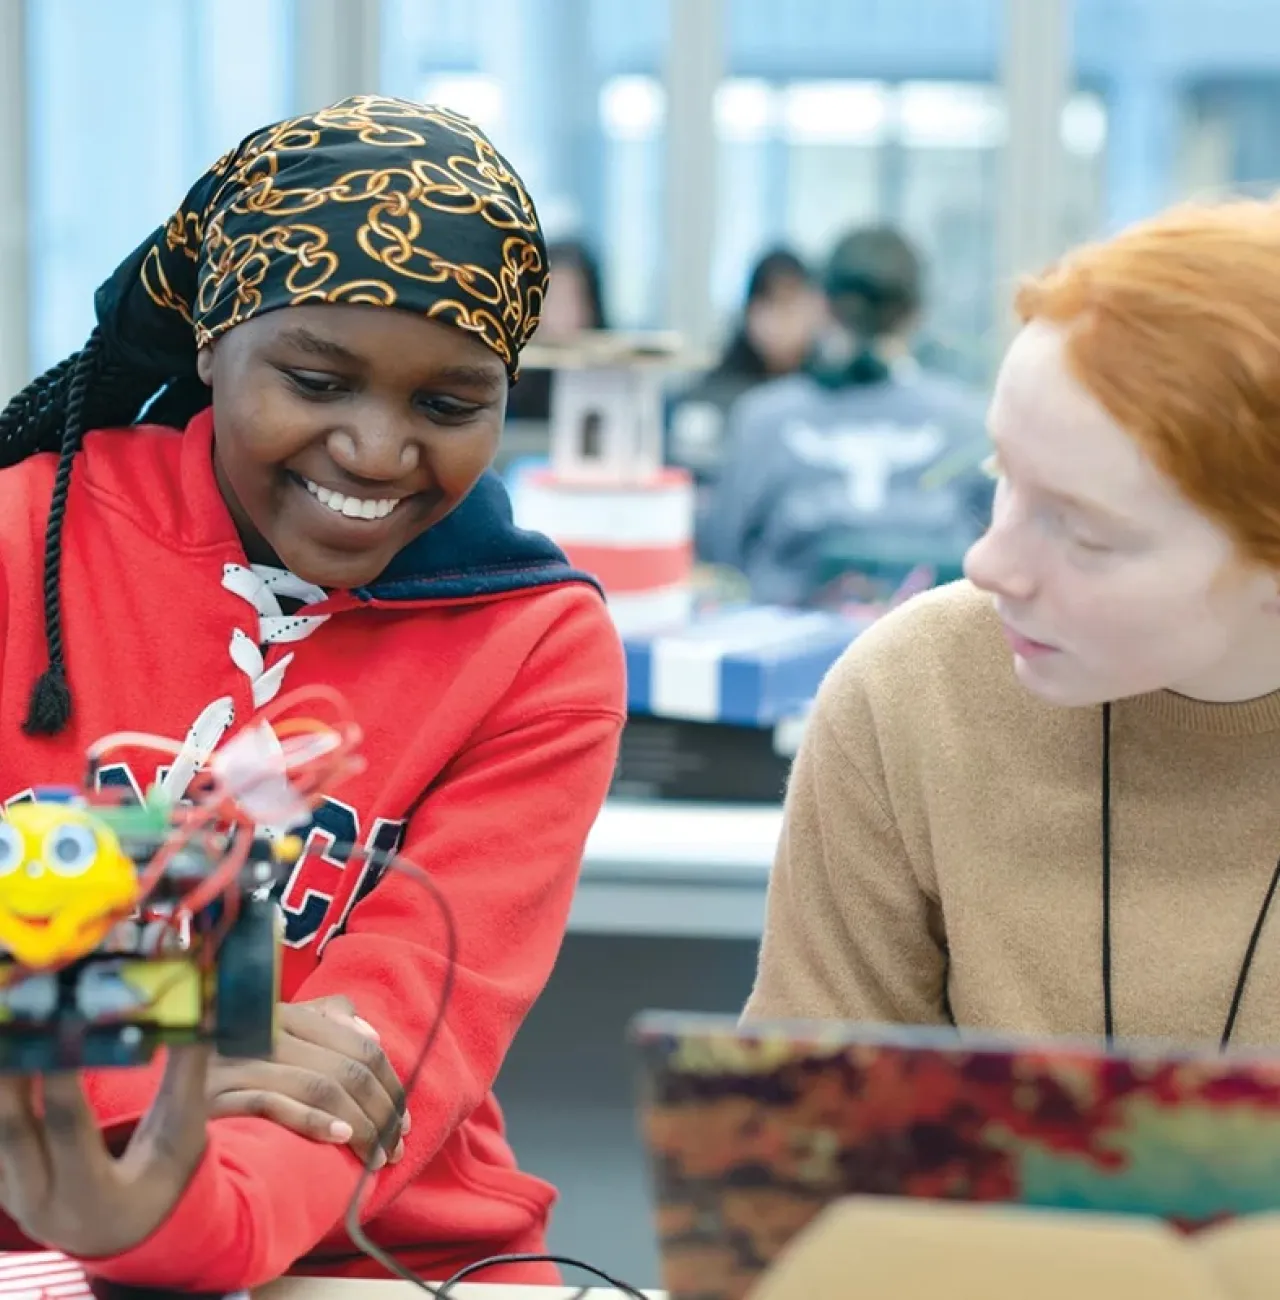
(305, 341)
(469, 376)
(1103, 514)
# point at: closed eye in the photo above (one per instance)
(442, 409)
(315, 384)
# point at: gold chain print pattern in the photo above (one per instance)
(373, 201)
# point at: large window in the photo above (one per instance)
(802, 161)
(828, 115)
(129, 102)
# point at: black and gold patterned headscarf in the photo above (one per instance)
(371, 201)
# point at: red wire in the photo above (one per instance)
(213, 816)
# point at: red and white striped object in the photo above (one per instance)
(47, 1275)
(636, 538)
(42, 1275)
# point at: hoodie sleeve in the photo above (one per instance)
(502, 834)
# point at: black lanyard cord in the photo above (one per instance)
(1108, 1007)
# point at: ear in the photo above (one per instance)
(204, 365)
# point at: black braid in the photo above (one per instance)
(90, 389)
(33, 420)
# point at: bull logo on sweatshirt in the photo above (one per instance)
(868, 457)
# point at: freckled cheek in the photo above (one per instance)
(1132, 627)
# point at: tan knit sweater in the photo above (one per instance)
(942, 848)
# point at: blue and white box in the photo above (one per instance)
(755, 666)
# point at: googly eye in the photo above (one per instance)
(11, 849)
(70, 850)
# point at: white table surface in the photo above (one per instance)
(677, 869)
(44, 1272)
(305, 1288)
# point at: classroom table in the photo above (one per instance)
(338, 1289)
(668, 870)
(47, 1275)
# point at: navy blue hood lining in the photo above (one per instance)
(476, 550)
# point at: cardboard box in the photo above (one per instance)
(870, 1249)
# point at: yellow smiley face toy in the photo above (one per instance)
(64, 882)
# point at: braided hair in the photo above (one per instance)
(91, 389)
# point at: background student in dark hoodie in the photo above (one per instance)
(861, 454)
(335, 313)
(781, 319)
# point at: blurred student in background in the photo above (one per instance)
(783, 315)
(574, 303)
(861, 455)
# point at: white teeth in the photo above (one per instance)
(352, 507)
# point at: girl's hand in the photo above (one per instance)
(61, 1185)
(329, 1080)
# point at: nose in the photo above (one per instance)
(375, 449)
(998, 563)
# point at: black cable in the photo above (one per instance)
(1108, 1009)
(445, 1290)
(1246, 966)
(1238, 996)
(355, 1229)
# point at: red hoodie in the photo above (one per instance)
(491, 696)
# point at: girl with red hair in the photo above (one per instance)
(1046, 799)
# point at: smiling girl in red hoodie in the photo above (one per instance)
(334, 315)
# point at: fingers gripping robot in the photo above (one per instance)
(125, 926)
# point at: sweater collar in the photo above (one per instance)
(1181, 713)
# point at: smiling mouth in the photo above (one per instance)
(39, 922)
(350, 507)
